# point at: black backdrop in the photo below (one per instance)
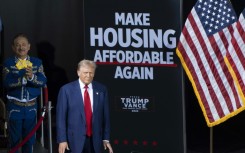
(157, 127)
(61, 24)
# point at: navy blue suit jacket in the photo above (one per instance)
(70, 116)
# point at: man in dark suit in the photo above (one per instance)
(72, 125)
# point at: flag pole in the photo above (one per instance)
(211, 139)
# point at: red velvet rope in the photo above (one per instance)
(45, 93)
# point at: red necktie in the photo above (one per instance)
(88, 111)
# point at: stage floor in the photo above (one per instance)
(37, 149)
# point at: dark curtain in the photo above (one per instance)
(57, 22)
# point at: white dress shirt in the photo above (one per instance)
(90, 91)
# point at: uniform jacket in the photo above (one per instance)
(12, 79)
(70, 117)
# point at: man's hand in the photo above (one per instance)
(62, 147)
(29, 72)
(107, 145)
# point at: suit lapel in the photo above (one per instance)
(95, 97)
(79, 99)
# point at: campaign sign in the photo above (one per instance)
(133, 43)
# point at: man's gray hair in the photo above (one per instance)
(85, 63)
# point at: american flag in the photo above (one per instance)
(202, 46)
(235, 56)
